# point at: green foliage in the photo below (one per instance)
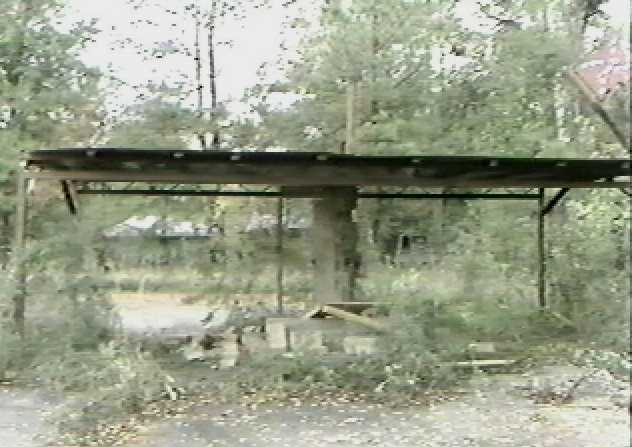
(119, 381)
(393, 375)
(48, 97)
(589, 264)
(159, 123)
(614, 362)
(52, 97)
(12, 353)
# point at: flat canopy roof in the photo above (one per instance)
(296, 169)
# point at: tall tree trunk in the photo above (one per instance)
(198, 74)
(5, 242)
(375, 47)
(215, 143)
(551, 87)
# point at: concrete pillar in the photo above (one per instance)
(334, 241)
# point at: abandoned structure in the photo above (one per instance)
(335, 182)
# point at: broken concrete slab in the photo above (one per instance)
(482, 348)
(254, 342)
(277, 333)
(229, 351)
(360, 345)
(306, 341)
(279, 330)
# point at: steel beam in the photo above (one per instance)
(70, 196)
(457, 196)
(315, 176)
(298, 194)
(176, 192)
(554, 201)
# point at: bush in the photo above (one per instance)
(13, 357)
(118, 380)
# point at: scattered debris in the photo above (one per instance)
(479, 363)
(581, 386)
(332, 310)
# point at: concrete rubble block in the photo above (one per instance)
(276, 332)
(193, 350)
(482, 348)
(254, 342)
(306, 340)
(229, 352)
(360, 345)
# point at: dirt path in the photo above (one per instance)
(493, 417)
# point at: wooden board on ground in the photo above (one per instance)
(324, 311)
(479, 363)
(356, 307)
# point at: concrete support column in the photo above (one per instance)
(334, 242)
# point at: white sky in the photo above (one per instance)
(256, 40)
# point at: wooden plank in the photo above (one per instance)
(353, 318)
(478, 363)
(354, 306)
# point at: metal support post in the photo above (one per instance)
(279, 252)
(541, 252)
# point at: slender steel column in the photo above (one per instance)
(279, 252)
(541, 252)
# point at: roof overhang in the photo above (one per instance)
(308, 169)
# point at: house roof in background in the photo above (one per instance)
(155, 227)
(606, 71)
(261, 222)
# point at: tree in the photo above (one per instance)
(48, 97)
(155, 123)
(430, 83)
(198, 83)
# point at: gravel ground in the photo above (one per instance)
(23, 417)
(492, 415)
(495, 412)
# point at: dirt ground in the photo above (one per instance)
(493, 413)
(24, 417)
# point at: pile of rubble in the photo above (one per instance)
(232, 333)
(577, 385)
